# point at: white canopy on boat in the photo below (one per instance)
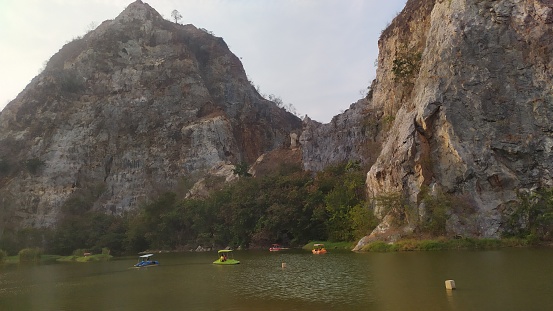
(144, 256)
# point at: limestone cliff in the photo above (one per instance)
(463, 103)
(352, 135)
(138, 106)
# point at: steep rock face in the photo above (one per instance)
(135, 107)
(462, 104)
(477, 121)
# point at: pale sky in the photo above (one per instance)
(314, 54)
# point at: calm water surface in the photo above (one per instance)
(507, 279)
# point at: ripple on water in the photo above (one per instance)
(322, 278)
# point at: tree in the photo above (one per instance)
(176, 16)
(4, 167)
(241, 170)
(438, 207)
(90, 27)
(532, 216)
(33, 165)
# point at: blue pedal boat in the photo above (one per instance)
(146, 261)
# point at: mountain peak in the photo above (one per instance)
(138, 10)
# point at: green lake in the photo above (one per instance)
(505, 279)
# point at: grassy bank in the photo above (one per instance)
(53, 258)
(425, 245)
(97, 257)
(331, 245)
(43, 259)
(443, 244)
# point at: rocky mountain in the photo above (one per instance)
(462, 103)
(138, 106)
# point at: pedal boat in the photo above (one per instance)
(276, 248)
(226, 257)
(318, 249)
(146, 261)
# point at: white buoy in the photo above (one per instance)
(283, 265)
(450, 284)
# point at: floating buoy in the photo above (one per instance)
(283, 265)
(450, 284)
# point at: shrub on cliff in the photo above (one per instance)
(33, 165)
(4, 167)
(406, 65)
(438, 209)
(69, 81)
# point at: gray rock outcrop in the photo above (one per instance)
(352, 135)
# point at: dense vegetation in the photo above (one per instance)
(532, 217)
(289, 207)
(3, 255)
